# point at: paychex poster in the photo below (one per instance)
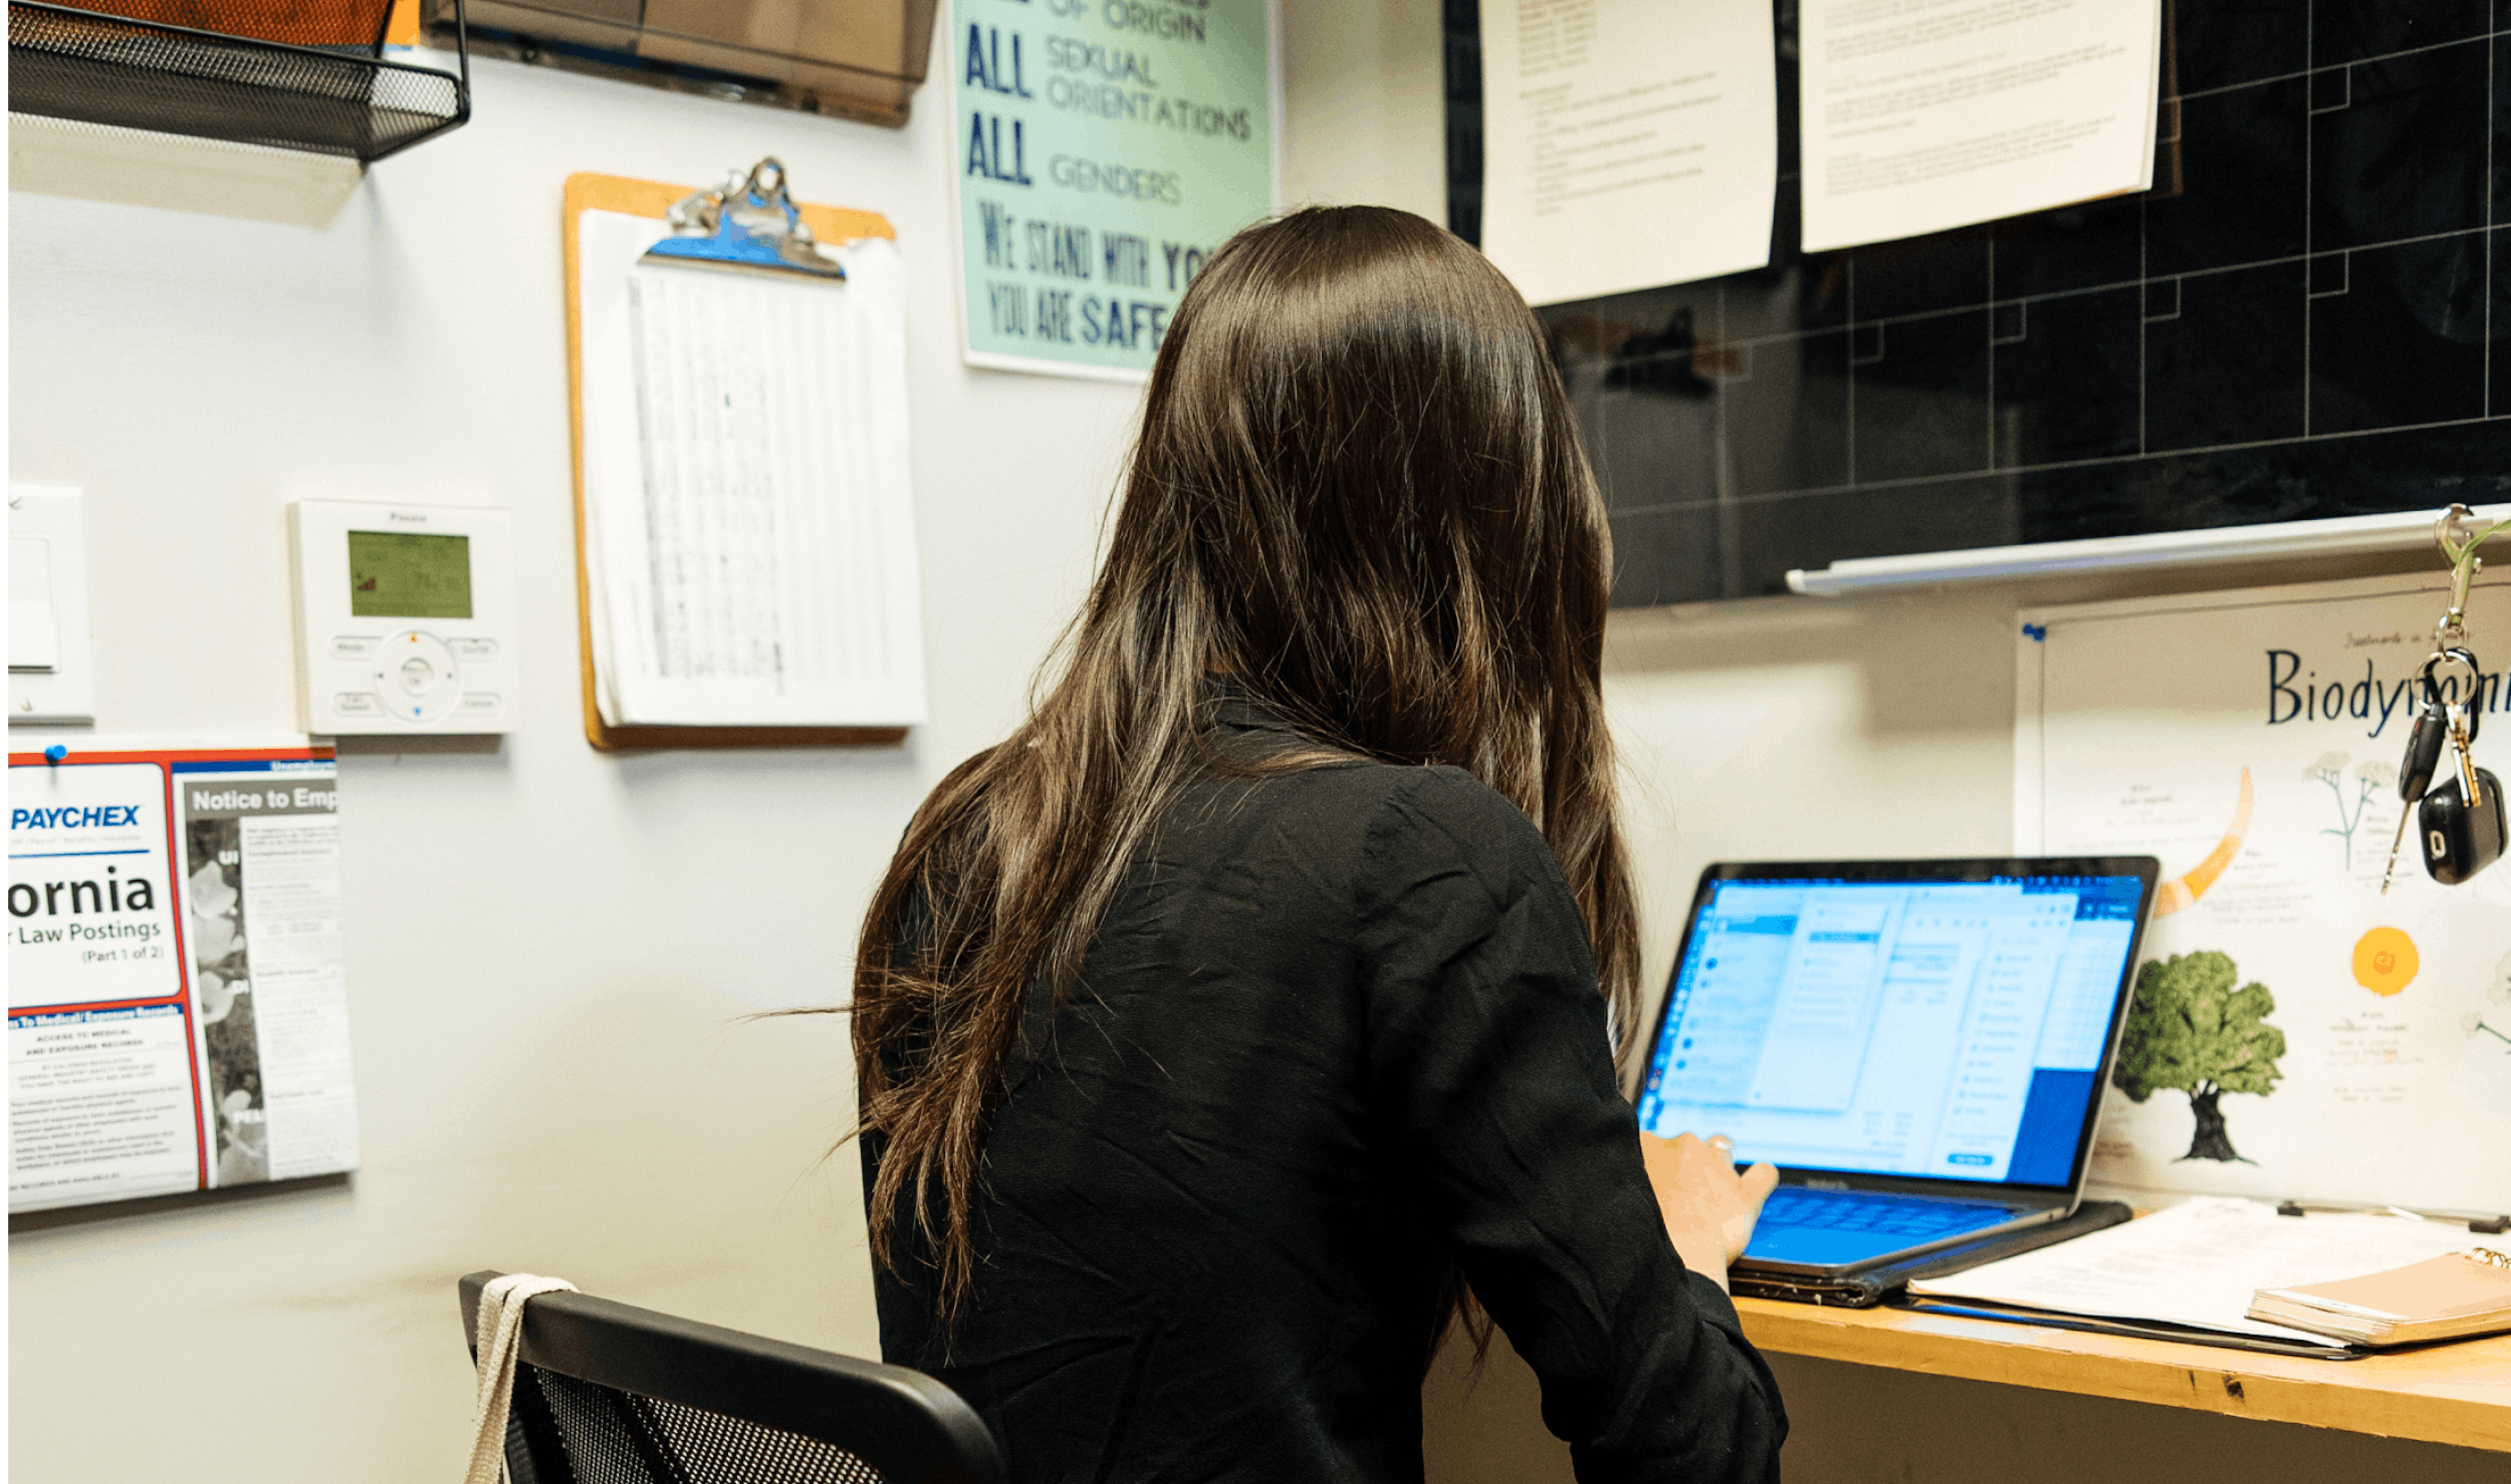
(2296, 1031)
(1105, 149)
(178, 1014)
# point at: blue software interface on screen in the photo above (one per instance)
(1946, 1029)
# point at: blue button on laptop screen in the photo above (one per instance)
(1944, 1030)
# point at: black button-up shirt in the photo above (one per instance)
(1337, 1038)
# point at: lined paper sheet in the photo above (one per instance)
(1630, 142)
(1921, 115)
(749, 524)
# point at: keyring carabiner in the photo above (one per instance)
(2459, 656)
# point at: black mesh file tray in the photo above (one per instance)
(337, 98)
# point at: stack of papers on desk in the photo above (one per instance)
(2199, 1264)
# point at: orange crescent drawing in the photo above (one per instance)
(2185, 892)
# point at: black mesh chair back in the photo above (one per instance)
(605, 1394)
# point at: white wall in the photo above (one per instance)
(548, 950)
(1356, 132)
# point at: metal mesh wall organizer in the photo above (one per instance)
(326, 91)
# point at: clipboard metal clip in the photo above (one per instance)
(750, 225)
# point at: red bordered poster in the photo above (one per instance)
(177, 1014)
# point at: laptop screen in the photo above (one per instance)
(1883, 1022)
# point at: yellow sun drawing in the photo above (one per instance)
(2386, 960)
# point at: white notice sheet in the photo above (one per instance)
(1627, 143)
(1921, 115)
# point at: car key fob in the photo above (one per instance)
(2425, 743)
(2460, 839)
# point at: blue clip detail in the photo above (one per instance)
(750, 223)
(2037, 633)
(56, 752)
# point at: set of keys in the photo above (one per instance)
(2461, 822)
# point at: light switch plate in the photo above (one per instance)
(52, 673)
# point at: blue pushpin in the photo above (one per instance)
(56, 752)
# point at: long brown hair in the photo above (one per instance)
(1357, 493)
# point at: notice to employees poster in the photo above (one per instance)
(177, 1017)
(2302, 1034)
(1105, 148)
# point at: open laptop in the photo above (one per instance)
(1919, 1046)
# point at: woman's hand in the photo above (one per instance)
(1709, 1209)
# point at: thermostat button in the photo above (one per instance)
(356, 703)
(474, 649)
(352, 646)
(481, 704)
(417, 677)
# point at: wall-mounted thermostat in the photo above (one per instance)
(404, 616)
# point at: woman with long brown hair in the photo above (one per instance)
(1250, 1003)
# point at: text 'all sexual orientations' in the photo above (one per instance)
(1104, 148)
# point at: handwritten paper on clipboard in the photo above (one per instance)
(747, 548)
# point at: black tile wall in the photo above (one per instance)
(2350, 30)
(2232, 42)
(2085, 247)
(2374, 174)
(1787, 423)
(1921, 397)
(1666, 555)
(2397, 338)
(1797, 530)
(2307, 316)
(2500, 135)
(2499, 275)
(2226, 367)
(2243, 157)
(2069, 383)
(1919, 274)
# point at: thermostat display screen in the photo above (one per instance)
(399, 575)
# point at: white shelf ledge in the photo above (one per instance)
(2343, 536)
(136, 167)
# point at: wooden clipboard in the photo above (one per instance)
(652, 198)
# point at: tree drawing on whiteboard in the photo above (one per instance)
(2190, 1031)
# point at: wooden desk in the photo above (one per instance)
(2451, 1394)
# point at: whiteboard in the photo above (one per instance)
(2249, 738)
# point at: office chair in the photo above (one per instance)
(605, 1394)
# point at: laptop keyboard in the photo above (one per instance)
(1795, 1205)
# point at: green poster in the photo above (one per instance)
(1105, 148)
